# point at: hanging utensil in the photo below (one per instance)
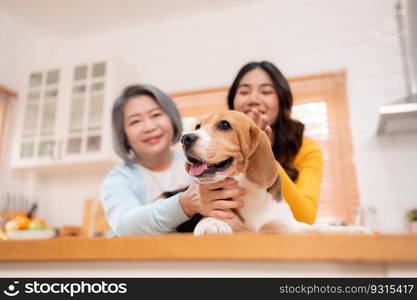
(32, 210)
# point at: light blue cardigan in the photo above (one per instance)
(123, 195)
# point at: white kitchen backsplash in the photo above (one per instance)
(16, 193)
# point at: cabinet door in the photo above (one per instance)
(39, 126)
(84, 134)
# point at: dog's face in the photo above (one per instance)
(227, 144)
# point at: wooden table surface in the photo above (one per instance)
(243, 246)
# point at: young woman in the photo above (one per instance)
(261, 91)
(146, 123)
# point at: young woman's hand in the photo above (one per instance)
(261, 120)
(212, 200)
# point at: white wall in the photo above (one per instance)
(17, 48)
(301, 37)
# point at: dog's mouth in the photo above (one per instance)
(199, 168)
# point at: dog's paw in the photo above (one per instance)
(212, 226)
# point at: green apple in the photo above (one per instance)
(33, 225)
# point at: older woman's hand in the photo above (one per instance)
(212, 200)
(261, 120)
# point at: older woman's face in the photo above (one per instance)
(256, 90)
(147, 126)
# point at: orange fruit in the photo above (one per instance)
(23, 221)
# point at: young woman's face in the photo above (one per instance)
(256, 90)
(147, 126)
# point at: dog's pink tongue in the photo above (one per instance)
(197, 169)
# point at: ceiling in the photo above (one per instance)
(79, 18)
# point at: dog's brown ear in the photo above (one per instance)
(262, 168)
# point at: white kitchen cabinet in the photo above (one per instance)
(64, 116)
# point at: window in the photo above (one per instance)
(320, 103)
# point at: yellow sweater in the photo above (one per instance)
(303, 195)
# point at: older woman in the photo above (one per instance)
(146, 123)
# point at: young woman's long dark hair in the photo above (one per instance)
(287, 132)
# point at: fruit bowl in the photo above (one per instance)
(31, 234)
(21, 227)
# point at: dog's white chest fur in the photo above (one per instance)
(260, 212)
(260, 207)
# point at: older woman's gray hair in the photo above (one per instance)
(120, 142)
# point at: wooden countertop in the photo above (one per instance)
(237, 247)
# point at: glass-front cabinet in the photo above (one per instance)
(39, 130)
(65, 114)
(86, 109)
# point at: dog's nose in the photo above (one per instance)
(188, 139)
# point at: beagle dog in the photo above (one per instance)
(230, 144)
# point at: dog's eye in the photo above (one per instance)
(197, 127)
(224, 125)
